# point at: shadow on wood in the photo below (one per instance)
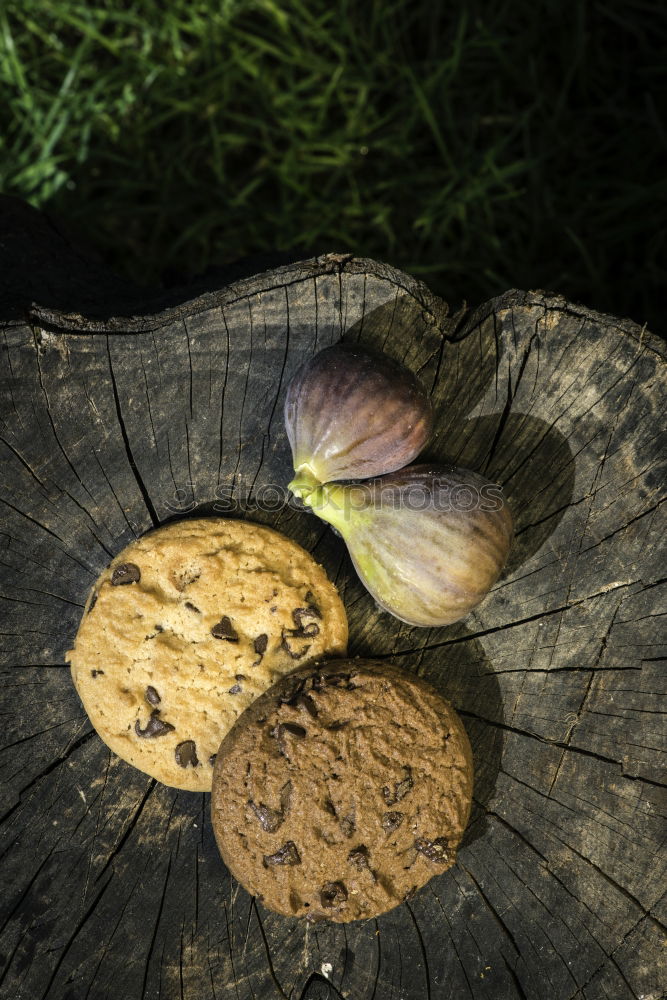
(319, 988)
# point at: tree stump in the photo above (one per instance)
(122, 411)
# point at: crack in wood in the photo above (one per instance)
(128, 450)
(272, 971)
(73, 936)
(128, 830)
(563, 746)
(223, 394)
(515, 979)
(632, 521)
(147, 960)
(25, 465)
(511, 395)
(47, 770)
(422, 948)
(453, 942)
(636, 904)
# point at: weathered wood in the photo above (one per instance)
(119, 420)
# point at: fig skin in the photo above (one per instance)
(352, 414)
(425, 564)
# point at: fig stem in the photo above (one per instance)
(304, 482)
(328, 502)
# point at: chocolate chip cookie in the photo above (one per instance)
(186, 627)
(342, 790)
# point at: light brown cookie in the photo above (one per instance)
(186, 627)
(342, 790)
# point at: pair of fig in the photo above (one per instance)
(428, 542)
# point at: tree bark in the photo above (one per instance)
(122, 411)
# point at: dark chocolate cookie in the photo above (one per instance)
(342, 790)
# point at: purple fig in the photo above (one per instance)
(351, 414)
(428, 543)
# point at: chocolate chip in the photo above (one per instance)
(269, 819)
(93, 602)
(154, 727)
(300, 631)
(151, 635)
(310, 630)
(391, 821)
(298, 698)
(285, 855)
(311, 611)
(401, 788)
(239, 677)
(333, 894)
(298, 616)
(96, 673)
(290, 696)
(348, 825)
(333, 727)
(294, 730)
(186, 754)
(225, 630)
(125, 573)
(211, 759)
(330, 807)
(312, 604)
(358, 856)
(152, 697)
(281, 730)
(285, 797)
(192, 607)
(341, 681)
(293, 652)
(305, 701)
(435, 850)
(235, 689)
(404, 786)
(260, 644)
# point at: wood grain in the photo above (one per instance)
(139, 412)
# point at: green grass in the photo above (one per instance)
(478, 146)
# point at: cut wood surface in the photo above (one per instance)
(119, 414)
